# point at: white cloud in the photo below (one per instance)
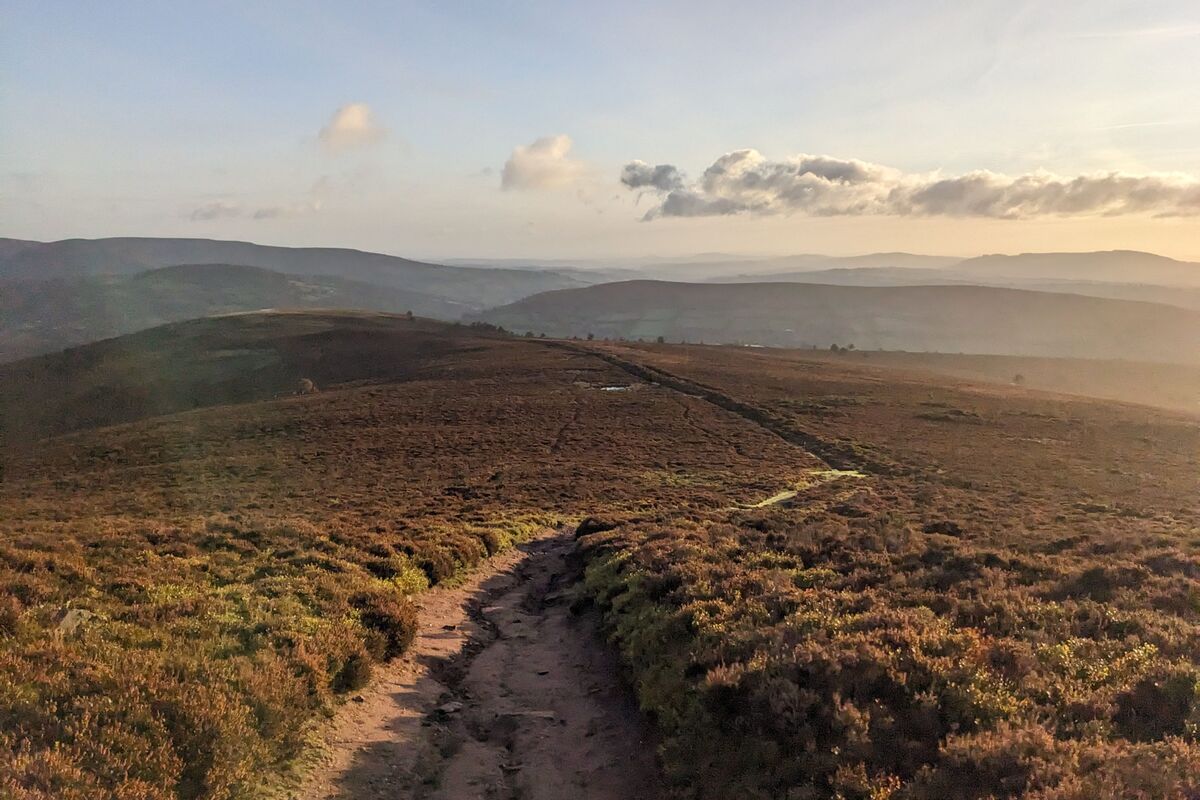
(545, 164)
(745, 182)
(353, 125)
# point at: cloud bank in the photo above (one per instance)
(545, 164)
(746, 182)
(353, 125)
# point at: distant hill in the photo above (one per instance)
(849, 276)
(710, 266)
(214, 361)
(1182, 296)
(41, 316)
(72, 258)
(1117, 266)
(969, 319)
(731, 269)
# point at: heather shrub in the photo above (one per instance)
(392, 616)
(192, 673)
(802, 654)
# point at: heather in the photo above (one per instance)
(972, 621)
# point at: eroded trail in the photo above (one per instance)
(505, 694)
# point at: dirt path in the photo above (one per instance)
(506, 694)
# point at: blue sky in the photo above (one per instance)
(205, 119)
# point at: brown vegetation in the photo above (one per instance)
(182, 596)
(996, 596)
(1013, 611)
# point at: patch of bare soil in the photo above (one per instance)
(506, 694)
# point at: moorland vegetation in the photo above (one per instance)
(186, 595)
(1009, 609)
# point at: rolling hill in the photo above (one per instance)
(211, 361)
(1117, 266)
(944, 577)
(1182, 296)
(185, 599)
(123, 256)
(970, 319)
(730, 268)
(42, 316)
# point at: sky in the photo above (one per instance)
(511, 129)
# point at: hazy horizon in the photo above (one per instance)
(636, 259)
(545, 132)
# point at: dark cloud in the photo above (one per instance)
(744, 182)
(640, 175)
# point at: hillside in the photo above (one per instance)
(1119, 266)
(42, 316)
(122, 256)
(212, 361)
(1011, 588)
(727, 268)
(185, 598)
(814, 582)
(1181, 296)
(967, 319)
